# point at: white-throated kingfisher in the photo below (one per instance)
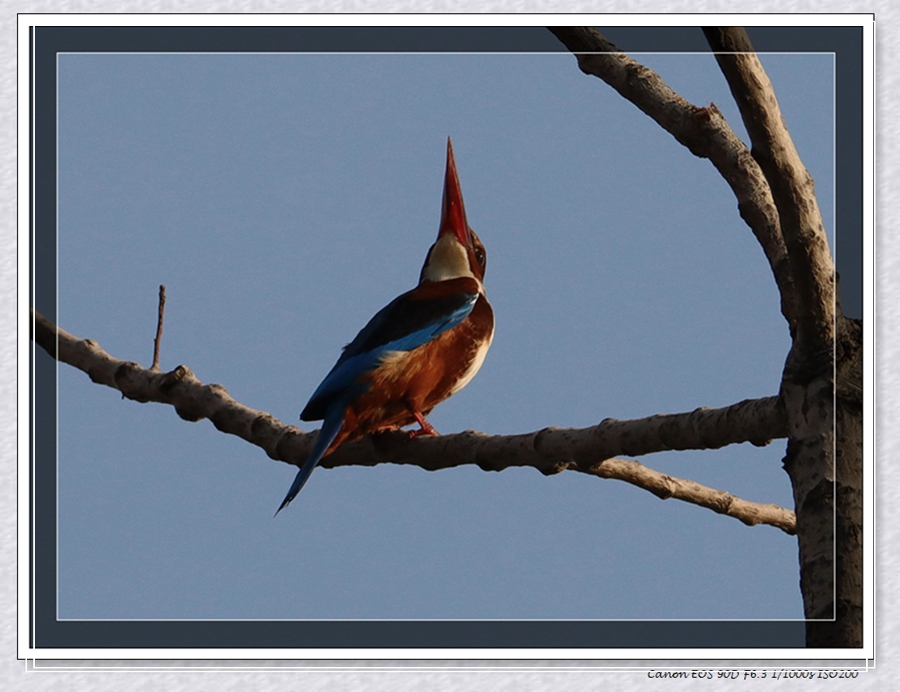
(424, 346)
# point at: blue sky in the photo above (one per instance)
(283, 200)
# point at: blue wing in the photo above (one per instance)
(404, 324)
(407, 322)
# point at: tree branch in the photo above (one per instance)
(705, 132)
(551, 450)
(791, 184)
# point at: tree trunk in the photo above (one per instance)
(846, 629)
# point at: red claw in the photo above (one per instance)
(425, 428)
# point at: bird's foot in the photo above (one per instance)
(425, 428)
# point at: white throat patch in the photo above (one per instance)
(447, 260)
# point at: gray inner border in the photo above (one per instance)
(382, 634)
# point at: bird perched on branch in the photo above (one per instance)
(424, 346)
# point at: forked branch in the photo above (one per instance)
(792, 186)
(551, 450)
(705, 132)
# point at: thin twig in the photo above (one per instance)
(159, 327)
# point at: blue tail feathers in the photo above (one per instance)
(330, 428)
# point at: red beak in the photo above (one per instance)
(453, 211)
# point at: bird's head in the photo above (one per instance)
(457, 252)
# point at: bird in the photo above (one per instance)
(421, 348)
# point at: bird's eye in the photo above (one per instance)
(479, 256)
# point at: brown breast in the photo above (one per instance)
(418, 380)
